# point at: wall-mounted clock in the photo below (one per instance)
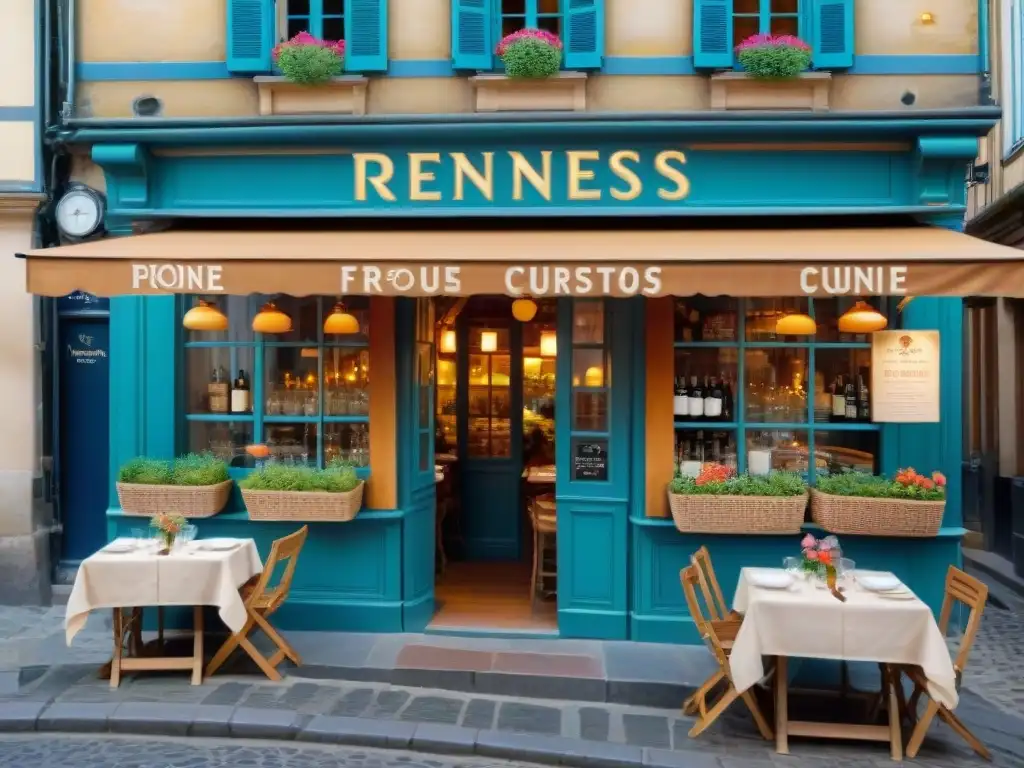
(80, 212)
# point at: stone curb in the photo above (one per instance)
(213, 721)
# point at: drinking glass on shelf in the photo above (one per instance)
(309, 406)
(274, 403)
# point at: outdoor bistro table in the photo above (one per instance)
(128, 573)
(805, 621)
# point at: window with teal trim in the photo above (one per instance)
(590, 424)
(425, 384)
(756, 401)
(765, 17)
(303, 393)
(324, 19)
(1013, 74)
(513, 15)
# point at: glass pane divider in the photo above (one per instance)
(586, 433)
(740, 398)
(321, 459)
(706, 344)
(219, 417)
(218, 344)
(711, 425)
(346, 419)
(812, 456)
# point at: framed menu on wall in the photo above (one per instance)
(905, 376)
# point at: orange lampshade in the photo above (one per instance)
(204, 316)
(524, 310)
(270, 319)
(797, 324)
(341, 321)
(862, 318)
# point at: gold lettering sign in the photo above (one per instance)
(590, 175)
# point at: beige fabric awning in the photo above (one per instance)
(918, 261)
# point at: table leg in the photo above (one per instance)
(197, 645)
(115, 661)
(782, 705)
(160, 629)
(895, 732)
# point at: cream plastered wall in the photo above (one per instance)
(17, 54)
(17, 151)
(18, 399)
(151, 30)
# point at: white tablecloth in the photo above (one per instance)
(187, 576)
(805, 621)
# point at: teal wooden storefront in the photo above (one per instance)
(618, 568)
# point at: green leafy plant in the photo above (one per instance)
(774, 57)
(907, 484)
(717, 480)
(190, 469)
(306, 60)
(336, 478)
(530, 54)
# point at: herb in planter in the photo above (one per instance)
(306, 60)
(340, 478)
(193, 469)
(906, 484)
(530, 54)
(718, 480)
(774, 57)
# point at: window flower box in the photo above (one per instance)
(717, 501)
(343, 95)
(908, 505)
(809, 91)
(192, 486)
(303, 494)
(565, 91)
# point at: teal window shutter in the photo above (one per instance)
(584, 33)
(832, 34)
(472, 47)
(250, 40)
(366, 30)
(712, 34)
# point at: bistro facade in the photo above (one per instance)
(656, 253)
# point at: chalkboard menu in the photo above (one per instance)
(590, 460)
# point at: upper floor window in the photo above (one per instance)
(720, 25)
(1012, 30)
(514, 15)
(324, 19)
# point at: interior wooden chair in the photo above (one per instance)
(261, 601)
(543, 520)
(968, 590)
(707, 714)
(725, 621)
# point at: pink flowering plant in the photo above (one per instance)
(530, 54)
(819, 555)
(774, 57)
(307, 60)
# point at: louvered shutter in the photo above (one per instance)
(712, 34)
(832, 34)
(472, 47)
(250, 40)
(583, 33)
(366, 35)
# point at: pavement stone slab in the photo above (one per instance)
(479, 714)
(391, 734)
(253, 723)
(18, 716)
(529, 718)
(434, 709)
(444, 739)
(145, 718)
(76, 717)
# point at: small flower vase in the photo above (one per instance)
(168, 543)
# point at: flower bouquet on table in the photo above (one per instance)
(908, 504)
(168, 526)
(774, 57)
(822, 559)
(530, 54)
(307, 60)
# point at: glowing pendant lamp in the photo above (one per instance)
(488, 341)
(548, 344)
(270, 319)
(796, 324)
(594, 377)
(524, 309)
(862, 318)
(448, 342)
(204, 316)
(341, 321)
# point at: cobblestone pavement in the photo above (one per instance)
(113, 752)
(994, 669)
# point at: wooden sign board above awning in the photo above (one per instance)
(909, 261)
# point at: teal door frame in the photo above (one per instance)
(491, 492)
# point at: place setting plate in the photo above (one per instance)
(216, 545)
(771, 579)
(885, 585)
(119, 548)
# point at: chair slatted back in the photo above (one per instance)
(283, 551)
(713, 597)
(690, 579)
(963, 588)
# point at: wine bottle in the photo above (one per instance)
(217, 391)
(696, 399)
(729, 404)
(851, 400)
(240, 393)
(680, 401)
(863, 397)
(838, 400)
(714, 401)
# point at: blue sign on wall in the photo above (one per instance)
(81, 302)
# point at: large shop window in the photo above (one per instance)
(479, 25)
(826, 25)
(755, 401)
(305, 393)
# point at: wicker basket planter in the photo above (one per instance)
(706, 513)
(192, 501)
(866, 516)
(304, 506)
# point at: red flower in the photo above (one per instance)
(927, 484)
(939, 478)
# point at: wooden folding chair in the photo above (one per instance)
(725, 620)
(709, 633)
(261, 601)
(968, 590)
